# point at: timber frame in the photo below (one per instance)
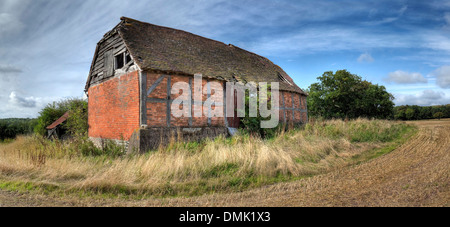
(168, 101)
(123, 105)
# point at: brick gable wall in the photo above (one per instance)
(114, 107)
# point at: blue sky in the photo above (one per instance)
(46, 46)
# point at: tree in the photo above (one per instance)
(47, 116)
(421, 112)
(252, 125)
(342, 94)
(409, 113)
(400, 114)
(438, 115)
(425, 113)
(76, 124)
(10, 128)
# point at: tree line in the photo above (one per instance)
(421, 112)
(342, 94)
(10, 128)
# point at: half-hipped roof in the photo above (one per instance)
(169, 50)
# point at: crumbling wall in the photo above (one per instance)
(144, 140)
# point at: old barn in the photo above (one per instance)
(135, 65)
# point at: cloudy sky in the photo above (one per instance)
(46, 46)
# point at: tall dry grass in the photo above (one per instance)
(225, 164)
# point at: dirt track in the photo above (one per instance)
(416, 174)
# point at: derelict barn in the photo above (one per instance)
(55, 130)
(135, 65)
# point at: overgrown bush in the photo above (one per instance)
(76, 124)
(252, 125)
(74, 147)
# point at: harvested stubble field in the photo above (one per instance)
(321, 165)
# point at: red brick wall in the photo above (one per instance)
(289, 101)
(114, 107)
(156, 112)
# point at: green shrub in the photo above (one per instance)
(252, 125)
(76, 124)
(438, 115)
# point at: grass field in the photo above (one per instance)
(225, 165)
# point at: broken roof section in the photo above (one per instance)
(170, 50)
(59, 121)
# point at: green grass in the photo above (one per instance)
(6, 141)
(227, 169)
(23, 187)
(205, 167)
(401, 138)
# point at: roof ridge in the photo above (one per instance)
(125, 19)
(165, 49)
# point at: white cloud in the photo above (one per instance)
(9, 69)
(28, 102)
(447, 20)
(401, 77)
(9, 25)
(17, 105)
(10, 12)
(442, 76)
(431, 94)
(386, 20)
(425, 98)
(313, 40)
(439, 4)
(366, 57)
(437, 41)
(403, 10)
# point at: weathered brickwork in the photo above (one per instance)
(114, 107)
(145, 140)
(135, 100)
(291, 106)
(157, 102)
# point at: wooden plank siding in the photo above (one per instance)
(104, 59)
